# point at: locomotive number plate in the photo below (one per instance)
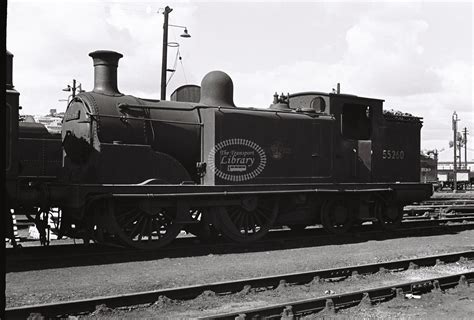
(393, 154)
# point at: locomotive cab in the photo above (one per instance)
(371, 145)
(376, 145)
(357, 141)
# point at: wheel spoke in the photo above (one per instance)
(246, 224)
(254, 228)
(267, 215)
(239, 219)
(235, 214)
(143, 229)
(136, 228)
(251, 221)
(243, 222)
(166, 215)
(156, 227)
(150, 229)
(262, 217)
(131, 219)
(125, 213)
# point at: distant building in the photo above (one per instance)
(52, 121)
(55, 113)
(52, 124)
(448, 165)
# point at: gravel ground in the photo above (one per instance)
(208, 304)
(51, 285)
(454, 304)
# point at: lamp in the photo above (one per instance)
(185, 34)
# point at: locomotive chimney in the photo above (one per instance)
(105, 71)
(9, 79)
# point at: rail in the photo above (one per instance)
(191, 292)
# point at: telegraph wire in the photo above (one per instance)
(182, 67)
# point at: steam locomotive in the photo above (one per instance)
(138, 171)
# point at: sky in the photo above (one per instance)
(417, 56)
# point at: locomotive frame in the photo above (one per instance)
(138, 171)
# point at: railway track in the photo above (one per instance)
(449, 201)
(452, 217)
(439, 208)
(332, 303)
(84, 306)
(444, 205)
(38, 258)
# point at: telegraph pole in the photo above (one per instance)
(73, 88)
(455, 130)
(164, 61)
(465, 147)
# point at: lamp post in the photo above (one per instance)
(465, 147)
(164, 61)
(455, 129)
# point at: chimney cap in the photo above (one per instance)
(105, 57)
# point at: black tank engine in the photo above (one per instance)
(139, 171)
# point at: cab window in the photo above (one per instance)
(355, 122)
